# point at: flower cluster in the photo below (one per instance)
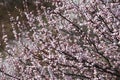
(75, 40)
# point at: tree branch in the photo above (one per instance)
(77, 75)
(96, 50)
(9, 75)
(70, 57)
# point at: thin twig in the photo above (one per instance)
(9, 75)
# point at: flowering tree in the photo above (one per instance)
(68, 40)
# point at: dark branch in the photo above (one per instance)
(9, 75)
(70, 57)
(77, 75)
